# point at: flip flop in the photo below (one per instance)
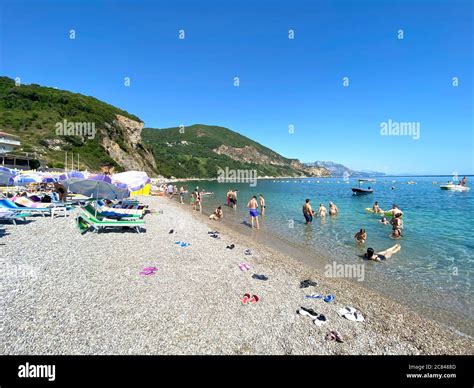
(171, 231)
(244, 267)
(247, 252)
(320, 320)
(177, 242)
(337, 336)
(232, 246)
(259, 277)
(307, 312)
(314, 296)
(329, 298)
(254, 299)
(306, 283)
(246, 298)
(330, 336)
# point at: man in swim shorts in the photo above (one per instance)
(308, 212)
(253, 206)
(383, 255)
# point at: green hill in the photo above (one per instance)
(33, 113)
(200, 150)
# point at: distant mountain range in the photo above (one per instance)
(338, 170)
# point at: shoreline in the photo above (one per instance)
(88, 298)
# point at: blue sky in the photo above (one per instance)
(283, 82)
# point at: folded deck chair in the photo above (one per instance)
(9, 205)
(96, 224)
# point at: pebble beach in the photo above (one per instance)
(66, 293)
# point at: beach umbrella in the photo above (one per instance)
(7, 175)
(48, 178)
(23, 179)
(73, 175)
(131, 180)
(96, 186)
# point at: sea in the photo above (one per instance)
(433, 272)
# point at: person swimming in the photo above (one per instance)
(382, 255)
(361, 236)
(384, 220)
(333, 210)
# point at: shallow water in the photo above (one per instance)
(433, 270)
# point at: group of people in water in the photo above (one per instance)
(309, 213)
(258, 203)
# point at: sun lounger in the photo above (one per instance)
(9, 205)
(109, 213)
(96, 223)
(12, 216)
(102, 206)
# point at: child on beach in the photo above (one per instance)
(253, 206)
(361, 236)
(217, 215)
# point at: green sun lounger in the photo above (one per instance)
(96, 223)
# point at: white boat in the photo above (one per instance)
(453, 187)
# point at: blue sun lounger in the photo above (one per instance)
(9, 205)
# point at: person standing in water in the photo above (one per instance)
(361, 236)
(308, 212)
(322, 211)
(262, 204)
(253, 206)
(397, 226)
(181, 194)
(333, 210)
(463, 181)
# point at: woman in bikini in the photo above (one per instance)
(383, 255)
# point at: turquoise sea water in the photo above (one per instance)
(433, 271)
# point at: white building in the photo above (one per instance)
(8, 142)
